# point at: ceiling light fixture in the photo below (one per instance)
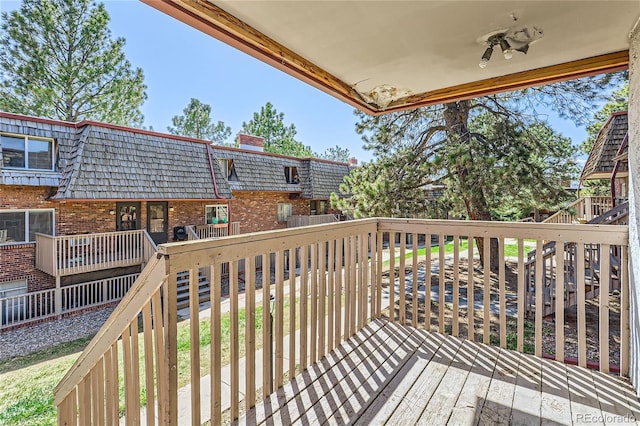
(506, 49)
(509, 40)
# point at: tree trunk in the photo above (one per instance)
(456, 116)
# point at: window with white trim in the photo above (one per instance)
(27, 152)
(218, 213)
(21, 226)
(284, 211)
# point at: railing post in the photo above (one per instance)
(588, 208)
(170, 405)
(58, 298)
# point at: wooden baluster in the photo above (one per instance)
(322, 299)
(347, 287)
(292, 313)
(486, 291)
(250, 331)
(455, 325)
(402, 280)
(471, 335)
(148, 363)
(414, 280)
(234, 341)
(624, 312)
(441, 289)
(194, 335)
(330, 294)
(605, 285)
(559, 308)
(338, 291)
(304, 278)
(521, 296)
(215, 347)
(353, 282)
(314, 303)
(266, 326)
(392, 276)
(539, 273)
(502, 294)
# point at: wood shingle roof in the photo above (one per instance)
(601, 161)
(117, 164)
(101, 161)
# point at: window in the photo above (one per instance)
(291, 175)
(13, 288)
(284, 211)
(218, 213)
(228, 168)
(26, 152)
(20, 226)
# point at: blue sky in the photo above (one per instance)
(180, 63)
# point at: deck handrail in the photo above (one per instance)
(329, 278)
(586, 208)
(74, 254)
(147, 284)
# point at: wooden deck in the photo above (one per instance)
(390, 374)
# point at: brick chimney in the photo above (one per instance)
(252, 143)
(353, 162)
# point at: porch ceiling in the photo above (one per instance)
(425, 51)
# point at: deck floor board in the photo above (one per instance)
(393, 374)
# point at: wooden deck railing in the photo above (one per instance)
(76, 254)
(583, 209)
(295, 221)
(328, 282)
(195, 232)
(29, 307)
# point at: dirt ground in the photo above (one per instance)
(549, 342)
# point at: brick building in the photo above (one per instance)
(86, 202)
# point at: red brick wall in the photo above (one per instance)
(258, 211)
(18, 262)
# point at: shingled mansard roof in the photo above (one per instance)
(601, 161)
(102, 161)
(120, 164)
(259, 171)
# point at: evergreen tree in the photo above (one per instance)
(196, 123)
(58, 60)
(278, 137)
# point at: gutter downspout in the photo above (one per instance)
(215, 189)
(623, 145)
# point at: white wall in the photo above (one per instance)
(634, 201)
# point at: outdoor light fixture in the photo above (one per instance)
(506, 49)
(509, 40)
(171, 209)
(486, 56)
(112, 212)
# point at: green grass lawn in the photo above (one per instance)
(510, 250)
(27, 383)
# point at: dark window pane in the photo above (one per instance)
(41, 222)
(13, 223)
(40, 154)
(12, 151)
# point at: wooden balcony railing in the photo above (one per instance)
(583, 210)
(76, 254)
(195, 232)
(295, 221)
(35, 306)
(328, 282)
